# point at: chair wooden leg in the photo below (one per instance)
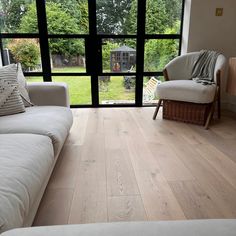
(210, 115)
(218, 106)
(157, 109)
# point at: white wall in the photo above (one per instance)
(204, 30)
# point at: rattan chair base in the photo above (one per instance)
(187, 112)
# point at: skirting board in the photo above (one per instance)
(229, 106)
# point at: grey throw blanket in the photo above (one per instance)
(204, 67)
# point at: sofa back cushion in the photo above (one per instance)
(10, 98)
(23, 86)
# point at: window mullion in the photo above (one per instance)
(43, 39)
(140, 51)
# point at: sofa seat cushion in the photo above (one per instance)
(186, 91)
(25, 161)
(51, 121)
(164, 228)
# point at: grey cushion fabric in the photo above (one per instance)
(165, 228)
(186, 91)
(203, 69)
(10, 99)
(22, 86)
(25, 160)
(52, 121)
(49, 94)
(180, 68)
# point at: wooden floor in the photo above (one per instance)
(120, 165)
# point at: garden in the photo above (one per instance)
(68, 55)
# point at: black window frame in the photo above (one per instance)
(94, 70)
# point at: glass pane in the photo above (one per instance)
(116, 16)
(117, 89)
(79, 88)
(24, 51)
(18, 16)
(67, 17)
(163, 16)
(158, 52)
(31, 79)
(119, 55)
(149, 88)
(67, 55)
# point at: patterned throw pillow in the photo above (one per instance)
(10, 98)
(23, 86)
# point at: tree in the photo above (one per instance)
(156, 17)
(112, 16)
(11, 13)
(77, 9)
(25, 51)
(158, 52)
(173, 11)
(83, 24)
(59, 22)
(160, 15)
(131, 21)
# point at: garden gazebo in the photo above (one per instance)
(122, 59)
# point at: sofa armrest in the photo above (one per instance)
(49, 94)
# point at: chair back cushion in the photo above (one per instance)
(220, 65)
(22, 86)
(180, 68)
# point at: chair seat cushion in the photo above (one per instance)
(162, 228)
(25, 161)
(51, 121)
(186, 91)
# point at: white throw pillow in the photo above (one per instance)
(10, 98)
(23, 86)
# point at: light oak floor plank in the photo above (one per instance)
(55, 207)
(120, 165)
(89, 202)
(195, 203)
(126, 208)
(65, 171)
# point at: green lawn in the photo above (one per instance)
(80, 87)
(69, 69)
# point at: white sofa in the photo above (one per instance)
(161, 228)
(30, 143)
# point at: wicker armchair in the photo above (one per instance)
(185, 100)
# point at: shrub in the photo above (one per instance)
(129, 82)
(25, 51)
